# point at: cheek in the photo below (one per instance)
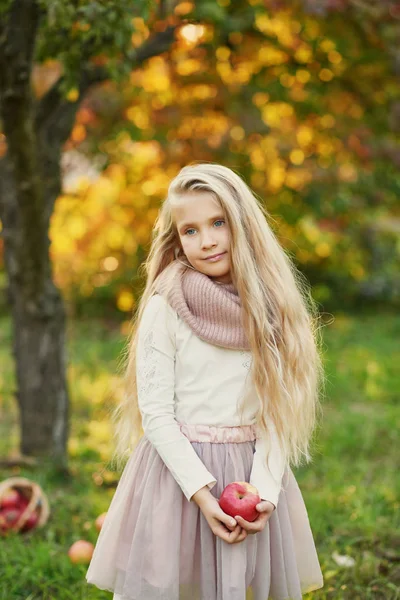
(183, 242)
(225, 236)
(187, 244)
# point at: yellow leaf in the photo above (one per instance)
(125, 301)
(297, 156)
(323, 249)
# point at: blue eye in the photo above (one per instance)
(192, 228)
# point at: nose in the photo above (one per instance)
(207, 240)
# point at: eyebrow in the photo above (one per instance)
(191, 223)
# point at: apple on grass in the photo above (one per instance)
(100, 520)
(81, 552)
(240, 498)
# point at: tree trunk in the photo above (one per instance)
(26, 203)
(38, 317)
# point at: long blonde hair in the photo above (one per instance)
(279, 315)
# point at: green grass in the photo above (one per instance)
(351, 489)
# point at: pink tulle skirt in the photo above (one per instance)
(155, 545)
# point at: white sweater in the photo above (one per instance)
(183, 379)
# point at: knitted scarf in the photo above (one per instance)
(211, 309)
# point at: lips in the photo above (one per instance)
(215, 255)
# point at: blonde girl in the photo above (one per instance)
(223, 381)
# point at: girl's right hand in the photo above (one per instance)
(221, 524)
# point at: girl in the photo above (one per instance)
(223, 376)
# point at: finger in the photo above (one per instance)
(250, 527)
(265, 506)
(242, 536)
(262, 517)
(233, 536)
(221, 532)
(228, 521)
(226, 534)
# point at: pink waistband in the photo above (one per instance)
(218, 435)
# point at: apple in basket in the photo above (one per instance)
(240, 498)
(12, 505)
(31, 521)
(22, 503)
(8, 517)
(10, 499)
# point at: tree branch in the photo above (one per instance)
(53, 102)
(153, 46)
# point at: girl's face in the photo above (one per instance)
(204, 232)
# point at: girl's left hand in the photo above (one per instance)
(265, 508)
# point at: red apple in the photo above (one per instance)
(10, 499)
(22, 502)
(100, 520)
(81, 552)
(8, 517)
(240, 498)
(31, 521)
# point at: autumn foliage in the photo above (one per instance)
(303, 103)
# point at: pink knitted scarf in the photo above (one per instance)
(211, 309)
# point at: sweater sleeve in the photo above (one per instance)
(155, 373)
(268, 478)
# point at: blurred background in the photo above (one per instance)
(101, 104)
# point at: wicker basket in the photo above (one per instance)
(37, 501)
